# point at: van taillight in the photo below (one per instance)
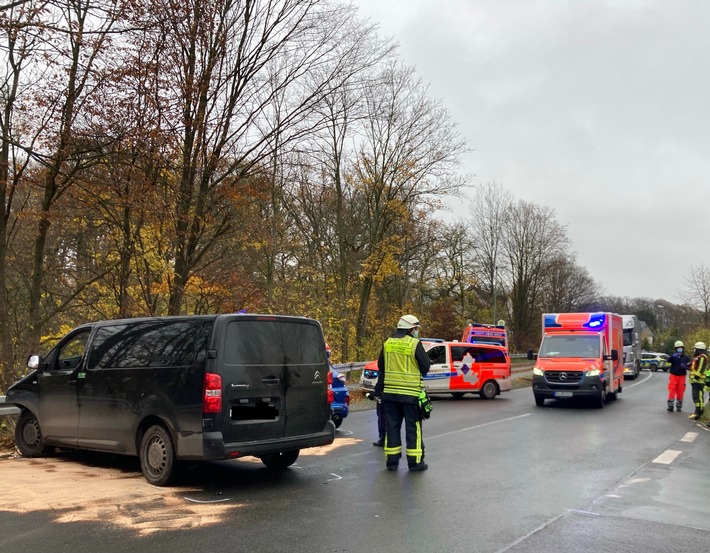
(331, 396)
(212, 400)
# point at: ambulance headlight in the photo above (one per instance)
(537, 371)
(593, 372)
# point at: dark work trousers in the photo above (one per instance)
(381, 421)
(698, 397)
(395, 413)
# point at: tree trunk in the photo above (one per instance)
(365, 293)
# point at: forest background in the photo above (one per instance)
(202, 156)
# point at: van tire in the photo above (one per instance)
(28, 436)
(280, 461)
(539, 400)
(157, 455)
(489, 390)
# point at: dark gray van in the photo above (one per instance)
(180, 388)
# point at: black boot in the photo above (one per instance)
(670, 406)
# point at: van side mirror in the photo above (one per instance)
(614, 355)
(33, 362)
(531, 356)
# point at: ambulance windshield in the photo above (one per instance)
(570, 346)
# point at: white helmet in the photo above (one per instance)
(407, 322)
(700, 345)
(679, 344)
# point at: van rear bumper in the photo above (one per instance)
(215, 448)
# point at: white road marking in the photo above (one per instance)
(637, 480)
(690, 437)
(427, 438)
(667, 457)
(210, 501)
(333, 479)
(637, 381)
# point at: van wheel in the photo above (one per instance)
(457, 395)
(337, 420)
(281, 460)
(489, 390)
(28, 436)
(539, 400)
(157, 456)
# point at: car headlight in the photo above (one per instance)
(537, 371)
(593, 372)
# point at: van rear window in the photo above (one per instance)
(273, 343)
(148, 344)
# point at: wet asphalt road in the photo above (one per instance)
(505, 476)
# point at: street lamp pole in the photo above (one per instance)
(495, 295)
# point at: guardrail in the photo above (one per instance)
(7, 409)
(347, 367)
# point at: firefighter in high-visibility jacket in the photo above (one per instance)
(402, 364)
(699, 376)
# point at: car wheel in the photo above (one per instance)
(28, 436)
(157, 455)
(337, 420)
(280, 460)
(653, 367)
(539, 400)
(457, 395)
(489, 390)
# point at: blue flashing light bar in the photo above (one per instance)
(551, 322)
(596, 321)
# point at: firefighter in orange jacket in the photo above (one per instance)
(699, 372)
(402, 364)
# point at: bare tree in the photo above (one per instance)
(696, 290)
(488, 210)
(532, 237)
(567, 286)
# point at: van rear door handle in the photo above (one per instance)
(271, 380)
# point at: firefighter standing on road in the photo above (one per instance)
(699, 372)
(402, 364)
(676, 381)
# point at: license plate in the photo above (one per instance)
(563, 394)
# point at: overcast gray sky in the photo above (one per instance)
(597, 109)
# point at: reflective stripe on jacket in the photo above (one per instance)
(402, 375)
(698, 369)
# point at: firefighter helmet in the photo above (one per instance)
(407, 322)
(678, 344)
(700, 345)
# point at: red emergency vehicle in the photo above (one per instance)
(458, 368)
(477, 333)
(580, 356)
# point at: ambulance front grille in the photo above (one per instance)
(564, 377)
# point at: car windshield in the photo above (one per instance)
(570, 346)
